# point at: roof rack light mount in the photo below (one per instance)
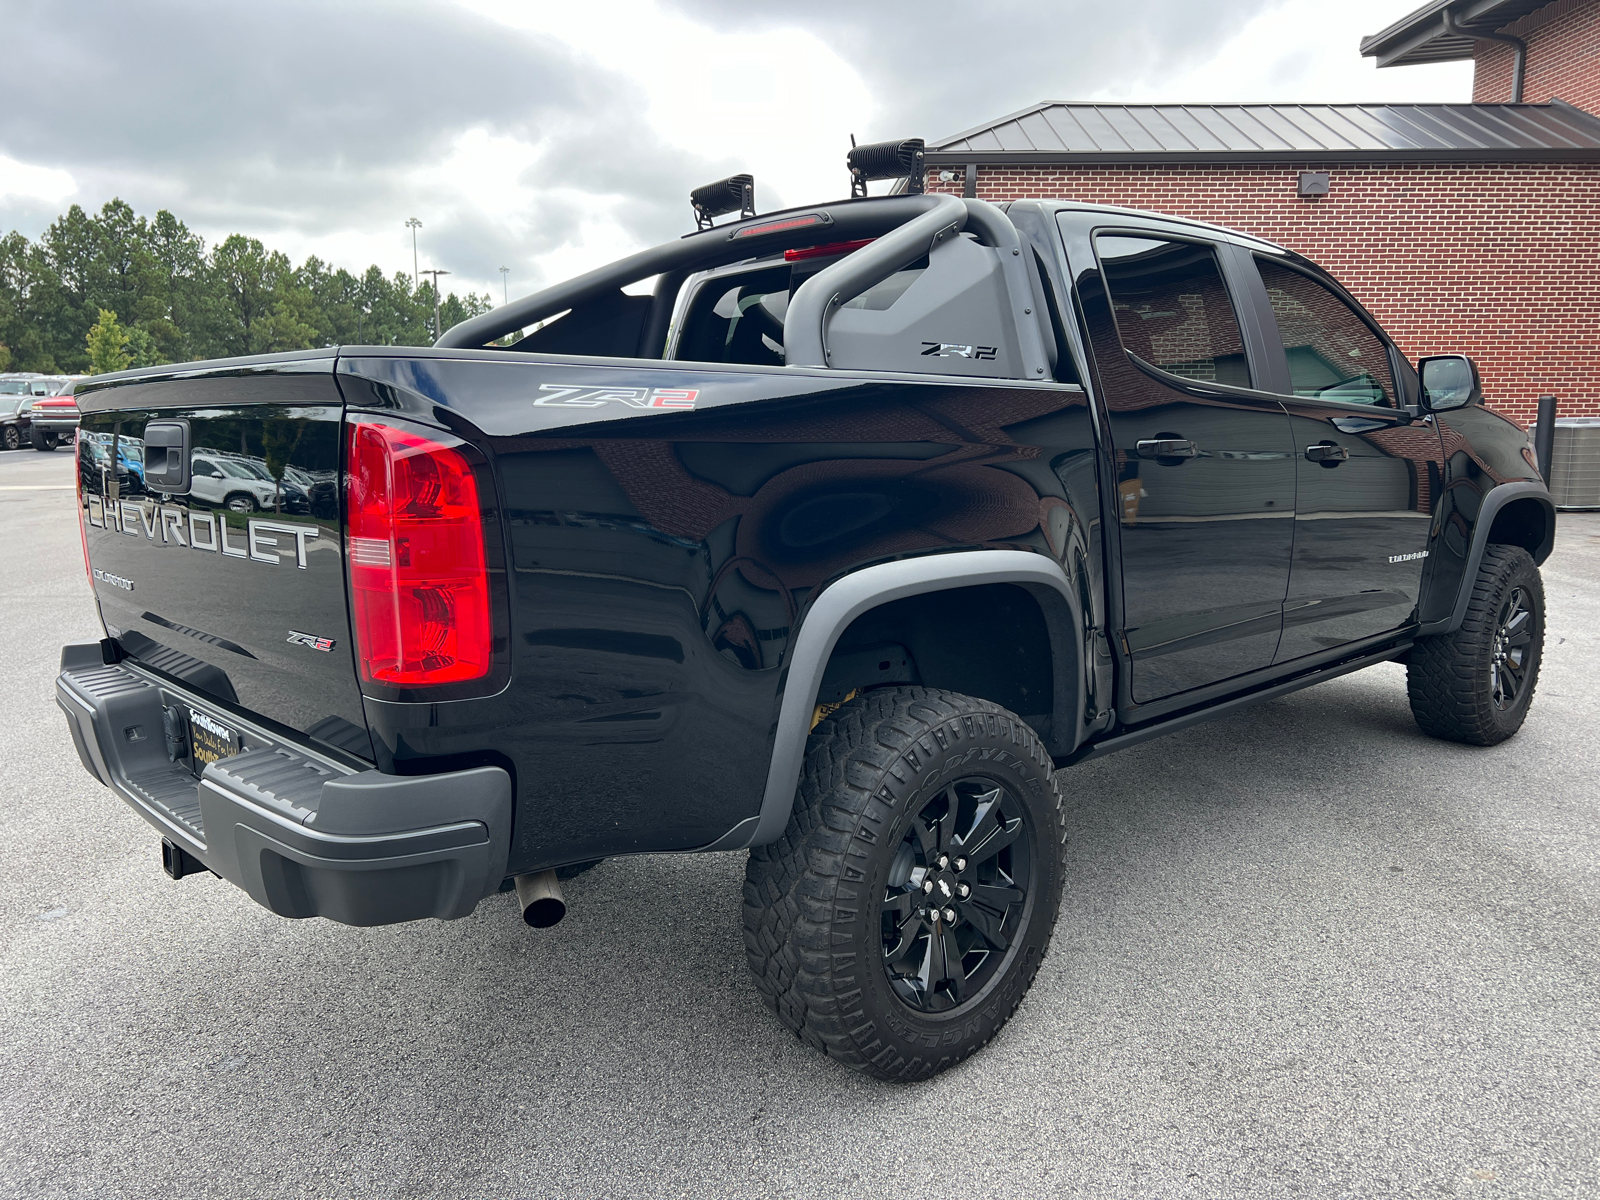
(736, 193)
(901, 159)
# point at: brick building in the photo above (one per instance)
(1462, 227)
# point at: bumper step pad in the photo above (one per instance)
(301, 834)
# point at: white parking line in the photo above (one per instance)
(37, 487)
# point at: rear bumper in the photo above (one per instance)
(303, 835)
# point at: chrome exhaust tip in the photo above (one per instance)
(543, 903)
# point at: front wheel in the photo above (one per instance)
(43, 442)
(241, 502)
(1475, 685)
(13, 439)
(900, 919)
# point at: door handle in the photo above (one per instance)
(1329, 454)
(1167, 448)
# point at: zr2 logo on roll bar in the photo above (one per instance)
(564, 396)
(957, 350)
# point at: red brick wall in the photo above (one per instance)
(1563, 57)
(1498, 261)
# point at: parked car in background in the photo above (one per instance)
(15, 419)
(242, 486)
(53, 385)
(54, 414)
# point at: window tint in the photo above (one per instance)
(738, 319)
(1173, 308)
(1333, 354)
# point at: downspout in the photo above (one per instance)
(1519, 61)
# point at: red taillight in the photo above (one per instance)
(418, 581)
(83, 514)
(824, 251)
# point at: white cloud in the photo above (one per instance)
(25, 181)
(555, 137)
(780, 104)
(1302, 51)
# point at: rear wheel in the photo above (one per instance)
(44, 442)
(900, 919)
(12, 438)
(1475, 685)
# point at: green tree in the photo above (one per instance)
(176, 299)
(107, 341)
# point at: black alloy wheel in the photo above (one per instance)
(903, 914)
(1513, 650)
(13, 439)
(956, 893)
(1475, 684)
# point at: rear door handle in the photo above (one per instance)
(1167, 448)
(1327, 453)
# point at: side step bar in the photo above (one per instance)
(1184, 720)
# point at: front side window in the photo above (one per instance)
(1333, 354)
(1172, 307)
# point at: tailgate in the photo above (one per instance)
(233, 584)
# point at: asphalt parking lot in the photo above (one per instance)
(1304, 951)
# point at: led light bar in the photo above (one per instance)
(737, 193)
(887, 160)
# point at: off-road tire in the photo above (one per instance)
(813, 900)
(1448, 676)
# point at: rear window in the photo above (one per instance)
(1173, 309)
(737, 319)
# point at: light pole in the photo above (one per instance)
(416, 276)
(436, 272)
(505, 274)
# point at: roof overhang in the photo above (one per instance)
(1040, 158)
(1421, 38)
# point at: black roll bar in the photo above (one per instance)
(840, 221)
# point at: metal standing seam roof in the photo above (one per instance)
(1060, 131)
(1419, 37)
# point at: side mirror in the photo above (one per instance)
(1449, 381)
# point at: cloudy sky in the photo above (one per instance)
(552, 137)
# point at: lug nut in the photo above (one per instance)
(961, 864)
(944, 861)
(927, 885)
(949, 914)
(965, 889)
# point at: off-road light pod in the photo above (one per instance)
(737, 193)
(887, 160)
(419, 584)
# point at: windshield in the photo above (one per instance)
(8, 407)
(13, 387)
(235, 469)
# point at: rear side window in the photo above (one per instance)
(1172, 307)
(1333, 354)
(738, 319)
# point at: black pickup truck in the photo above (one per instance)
(837, 542)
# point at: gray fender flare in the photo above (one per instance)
(1496, 499)
(830, 614)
